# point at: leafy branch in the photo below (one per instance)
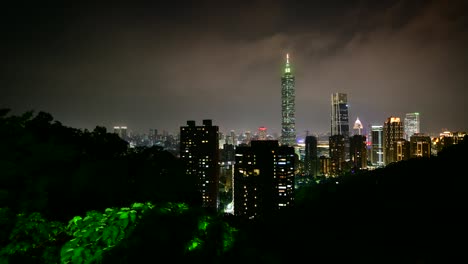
(98, 232)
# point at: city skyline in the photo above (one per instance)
(158, 65)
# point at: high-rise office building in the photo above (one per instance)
(199, 150)
(358, 151)
(288, 107)
(263, 178)
(337, 154)
(411, 125)
(376, 157)
(392, 131)
(310, 158)
(340, 119)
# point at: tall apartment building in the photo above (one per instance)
(199, 150)
(263, 178)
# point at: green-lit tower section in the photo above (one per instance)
(288, 106)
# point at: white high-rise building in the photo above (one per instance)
(411, 125)
(376, 156)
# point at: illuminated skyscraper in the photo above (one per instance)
(199, 150)
(339, 119)
(377, 145)
(411, 125)
(288, 107)
(392, 132)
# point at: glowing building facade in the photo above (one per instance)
(401, 149)
(288, 107)
(199, 150)
(392, 131)
(411, 125)
(376, 157)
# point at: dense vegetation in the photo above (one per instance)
(78, 196)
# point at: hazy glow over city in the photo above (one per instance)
(157, 65)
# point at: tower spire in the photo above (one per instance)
(287, 67)
(358, 125)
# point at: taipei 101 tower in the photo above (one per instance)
(288, 107)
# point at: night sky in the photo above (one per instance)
(158, 65)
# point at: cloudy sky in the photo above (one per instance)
(158, 65)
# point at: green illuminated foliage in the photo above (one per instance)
(98, 235)
(203, 223)
(194, 244)
(98, 232)
(174, 208)
(211, 234)
(33, 237)
(228, 237)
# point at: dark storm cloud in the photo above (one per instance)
(157, 66)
